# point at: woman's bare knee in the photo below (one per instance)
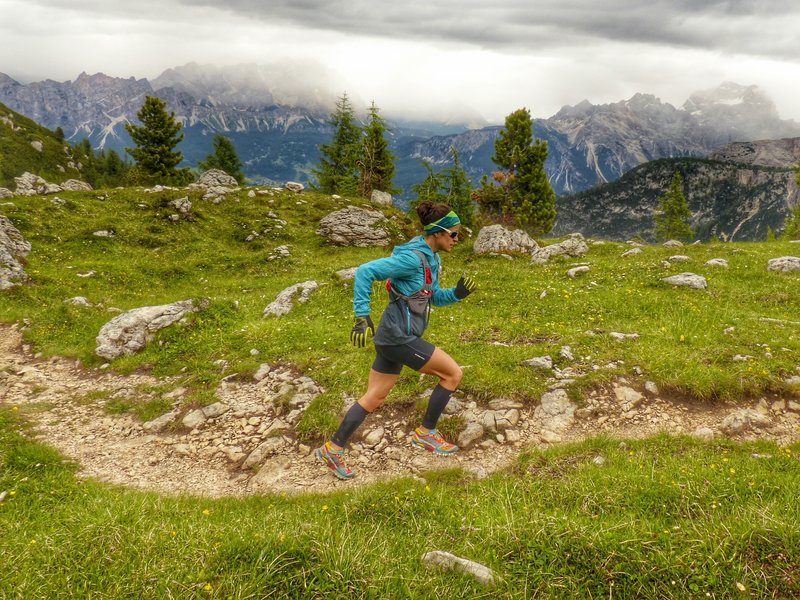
(452, 378)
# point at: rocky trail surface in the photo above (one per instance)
(244, 443)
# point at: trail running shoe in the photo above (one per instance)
(334, 460)
(432, 442)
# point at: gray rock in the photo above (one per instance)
(29, 184)
(703, 433)
(182, 205)
(129, 333)
(5, 193)
(471, 434)
(599, 460)
(566, 353)
(784, 264)
(263, 450)
(687, 280)
(793, 380)
(37, 145)
(295, 187)
(743, 420)
(160, 423)
(347, 274)
(382, 198)
(555, 411)
(631, 252)
(216, 178)
(672, 244)
(539, 362)
(628, 397)
(651, 387)
(78, 301)
(679, 258)
(75, 185)
(621, 337)
(451, 562)
(103, 233)
(717, 262)
(496, 239)
(284, 303)
(574, 246)
(13, 250)
(263, 371)
(354, 226)
(550, 437)
(572, 273)
(194, 419)
(215, 410)
(374, 437)
(504, 404)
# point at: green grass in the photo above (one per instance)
(683, 346)
(664, 517)
(661, 518)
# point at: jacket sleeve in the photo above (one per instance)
(442, 297)
(400, 266)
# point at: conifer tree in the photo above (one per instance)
(458, 190)
(155, 141)
(523, 196)
(791, 227)
(224, 158)
(430, 188)
(338, 166)
(672, 222)
(376, 165)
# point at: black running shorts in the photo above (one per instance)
(414, 354)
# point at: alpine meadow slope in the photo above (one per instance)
(666, 516)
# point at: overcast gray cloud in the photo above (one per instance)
(428, 57)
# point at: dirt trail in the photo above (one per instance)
(69, 408)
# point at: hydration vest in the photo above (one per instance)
(419, 301)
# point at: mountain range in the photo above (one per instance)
(277, 117)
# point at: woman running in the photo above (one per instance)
(413, 285)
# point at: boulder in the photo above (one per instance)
(631, 252)
(353, 226)
(13, 250)
(5, 193)
(496, 239)
(717, 262)
(691, 280)
(572, 273)
(574, 246)
(129, 333)
(472, 433)
(182, 205)
(216, 178)
(673, 244)
(285, 300)
(744, 420)
(784, 264)
(382, 198)
(29, 184)
(74, 185)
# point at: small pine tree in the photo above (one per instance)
(155, 142)
(338, 166)
(224, 158)
(673, 220)
(376, 166)
(791, 227)
(59, 134)
(524, 195)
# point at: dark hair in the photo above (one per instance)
(429, 212)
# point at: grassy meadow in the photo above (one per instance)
(661, 518)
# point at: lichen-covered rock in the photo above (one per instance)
(29, 184)
(691, 280)
(354, 226)
(496, 239)
(74, 185)
(285, 300)
(13, 249)
(784, 264)
(574, 246)
(129, 333)
(214, 178)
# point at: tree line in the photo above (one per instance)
(358, 160)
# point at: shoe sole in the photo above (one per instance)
(422, 446)
(321, 459)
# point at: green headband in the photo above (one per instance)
(446, 222)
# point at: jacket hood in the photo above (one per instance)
(415, 243)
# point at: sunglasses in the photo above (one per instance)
(453, 234)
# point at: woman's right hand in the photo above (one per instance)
(358, 335)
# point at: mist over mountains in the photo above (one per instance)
(276, 115)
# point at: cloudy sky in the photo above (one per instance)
(429, 56)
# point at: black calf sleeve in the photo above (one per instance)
(439, 399)
(354, 417)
